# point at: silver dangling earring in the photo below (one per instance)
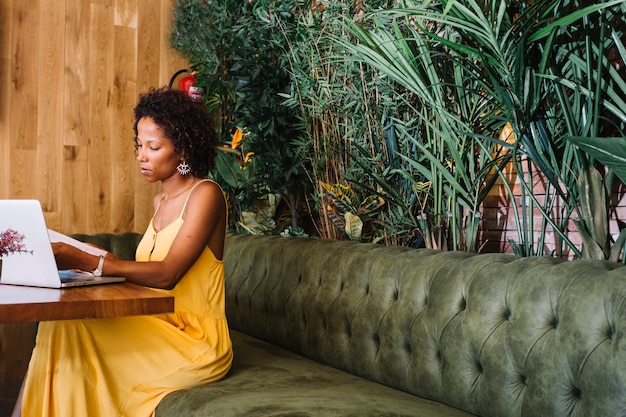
(183, 168)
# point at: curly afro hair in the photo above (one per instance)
(186, 122)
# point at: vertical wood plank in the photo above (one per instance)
(5, 29)
(100, 113)
(50, 99)
(5, 65)
(122, 142)
(149, 50)
(126, 13)
(74, 216)
(172, 59)
(76, 92)
(148, 72)
(23, 97)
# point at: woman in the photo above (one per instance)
(125, 366)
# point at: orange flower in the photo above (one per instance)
(237, 137)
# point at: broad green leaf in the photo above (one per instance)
(354, 226)
(611, 152)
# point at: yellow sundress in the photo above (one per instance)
(125, 366)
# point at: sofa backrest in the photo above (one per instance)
(122, 245)
(492, 334)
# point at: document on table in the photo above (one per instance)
(85, 247)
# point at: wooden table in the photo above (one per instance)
(19, 304)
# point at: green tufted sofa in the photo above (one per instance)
(335, 328)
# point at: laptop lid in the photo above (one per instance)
(35, 265)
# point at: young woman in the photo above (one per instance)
(125, 366)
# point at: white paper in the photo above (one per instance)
(60, 237)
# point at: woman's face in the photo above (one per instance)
(155, 153)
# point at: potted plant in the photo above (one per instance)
(11, 242)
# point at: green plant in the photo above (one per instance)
(438, 139)
(352, 215)
(414, 116)
(291, 232)
(501, 56)
(348, 111)
(235, 47)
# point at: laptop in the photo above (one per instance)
(36, 266)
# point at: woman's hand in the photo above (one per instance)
(70, 257)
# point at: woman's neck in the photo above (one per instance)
(175, 190)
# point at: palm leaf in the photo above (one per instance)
(573, 17)
(611, 152)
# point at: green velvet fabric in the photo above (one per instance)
(493, 334)
(266, 380)
(122, 245)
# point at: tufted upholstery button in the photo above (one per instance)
(554, 322)
(462, 304)
(522, 379)
(506, 315)
(576, 392)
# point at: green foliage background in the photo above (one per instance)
(380, 120)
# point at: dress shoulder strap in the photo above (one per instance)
(189, 193)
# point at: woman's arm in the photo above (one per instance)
(204, 225)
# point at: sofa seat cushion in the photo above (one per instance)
(267, 380)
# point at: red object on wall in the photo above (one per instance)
(188, 84)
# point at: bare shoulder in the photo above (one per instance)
(210, 189)
(208, 194)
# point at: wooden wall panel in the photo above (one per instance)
(70, 75)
